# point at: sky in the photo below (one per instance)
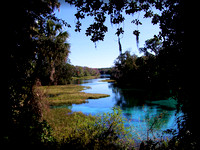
(84, 52)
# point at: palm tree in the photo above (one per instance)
(53, 48)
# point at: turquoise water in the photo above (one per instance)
(141, 113)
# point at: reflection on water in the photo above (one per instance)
(146, 118)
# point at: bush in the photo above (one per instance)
(105, 131)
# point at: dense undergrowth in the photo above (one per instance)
(79, 131)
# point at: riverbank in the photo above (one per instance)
(108, 80)
(84, 78)
(61, 120)
(68, 94)
(71, 125)
(75, 130)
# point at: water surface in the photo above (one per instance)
(141, 113)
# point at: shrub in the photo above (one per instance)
(106, 131)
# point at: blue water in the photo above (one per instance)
(139, 111)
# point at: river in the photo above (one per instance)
(141, 113)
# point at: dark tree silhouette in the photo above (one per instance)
(23, 124)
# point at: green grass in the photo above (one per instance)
(64, 123)
(61, 120)
(78, 131)
(108, 80)
(84, 78)
(68, 94)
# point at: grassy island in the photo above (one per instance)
(68, 94)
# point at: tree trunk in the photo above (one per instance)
(52, 73)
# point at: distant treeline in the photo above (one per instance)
(105, 70)
(79, 71)
(64, 73)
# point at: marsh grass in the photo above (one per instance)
(64, 123)
(84, 77)
(107, 80)
(75, 130)
(68, 94)
(78, 131)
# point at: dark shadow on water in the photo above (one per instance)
(131, 97)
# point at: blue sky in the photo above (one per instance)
(83, 51)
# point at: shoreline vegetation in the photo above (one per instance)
(68, 94)
(107, 80)
(68, 128)
(85, 77)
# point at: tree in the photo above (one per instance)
(153, 45)
(99, 9)
(125, 68)
(64, 73)
(52, 49)
(24, 124)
